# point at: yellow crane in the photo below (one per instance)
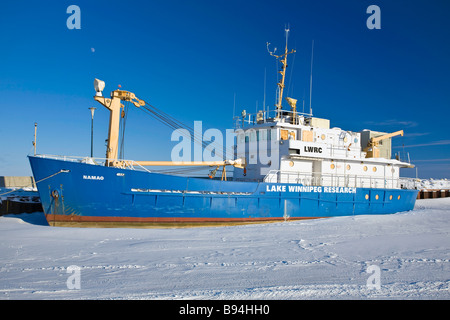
(372, 146)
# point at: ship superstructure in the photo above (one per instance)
(311, 152)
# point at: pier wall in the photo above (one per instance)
(13, 199)
(14, 207)
(16, 182)
(433, 193)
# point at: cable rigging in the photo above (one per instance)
(175, 124)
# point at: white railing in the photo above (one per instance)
(122, 164)
(268, 116)
(333, 180)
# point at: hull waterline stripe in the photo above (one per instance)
(73, 218)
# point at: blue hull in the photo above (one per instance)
(74, 192)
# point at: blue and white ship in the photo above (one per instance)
(288, 165)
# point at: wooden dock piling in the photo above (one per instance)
(433, 193)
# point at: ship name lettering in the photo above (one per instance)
(312, 149)
(276, 188)
(339, 190)
(314, 189)
(86, 177)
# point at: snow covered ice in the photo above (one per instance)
(311, 259)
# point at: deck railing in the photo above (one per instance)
(337, 180)
(263, 116)
(122, 164)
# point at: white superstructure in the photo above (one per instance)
(311, 153)
(292, 147)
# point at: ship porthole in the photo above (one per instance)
(332, 166)
(291, 163)
(323, 137)
(348, 167)
(367, 197)
(374, 169)
(390, 197)
(377, 197)
(365, 168)
(398, 197)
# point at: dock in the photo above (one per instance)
(433, 193)
(18, 195)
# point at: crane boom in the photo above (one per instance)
(386, 136)
(238, 163)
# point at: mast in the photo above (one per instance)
(310, 80)
(114, 105)
(283, 60)
(35, 133)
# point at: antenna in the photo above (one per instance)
(303, 101)
(287, 34)
(235, 121)
(310, 80)
(35, 133)
(271, 52)
(234, 104)
(264, 101)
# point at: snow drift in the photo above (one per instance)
(312, 259)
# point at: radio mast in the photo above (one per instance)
(310, 79)
(283, 60)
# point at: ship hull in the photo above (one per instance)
(81, 194)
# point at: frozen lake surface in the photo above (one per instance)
(407, 255)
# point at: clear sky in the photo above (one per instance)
(193, 59)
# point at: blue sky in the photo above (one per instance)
(191, 58)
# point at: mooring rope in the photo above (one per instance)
(29, 185)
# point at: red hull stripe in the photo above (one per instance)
(75, 218)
